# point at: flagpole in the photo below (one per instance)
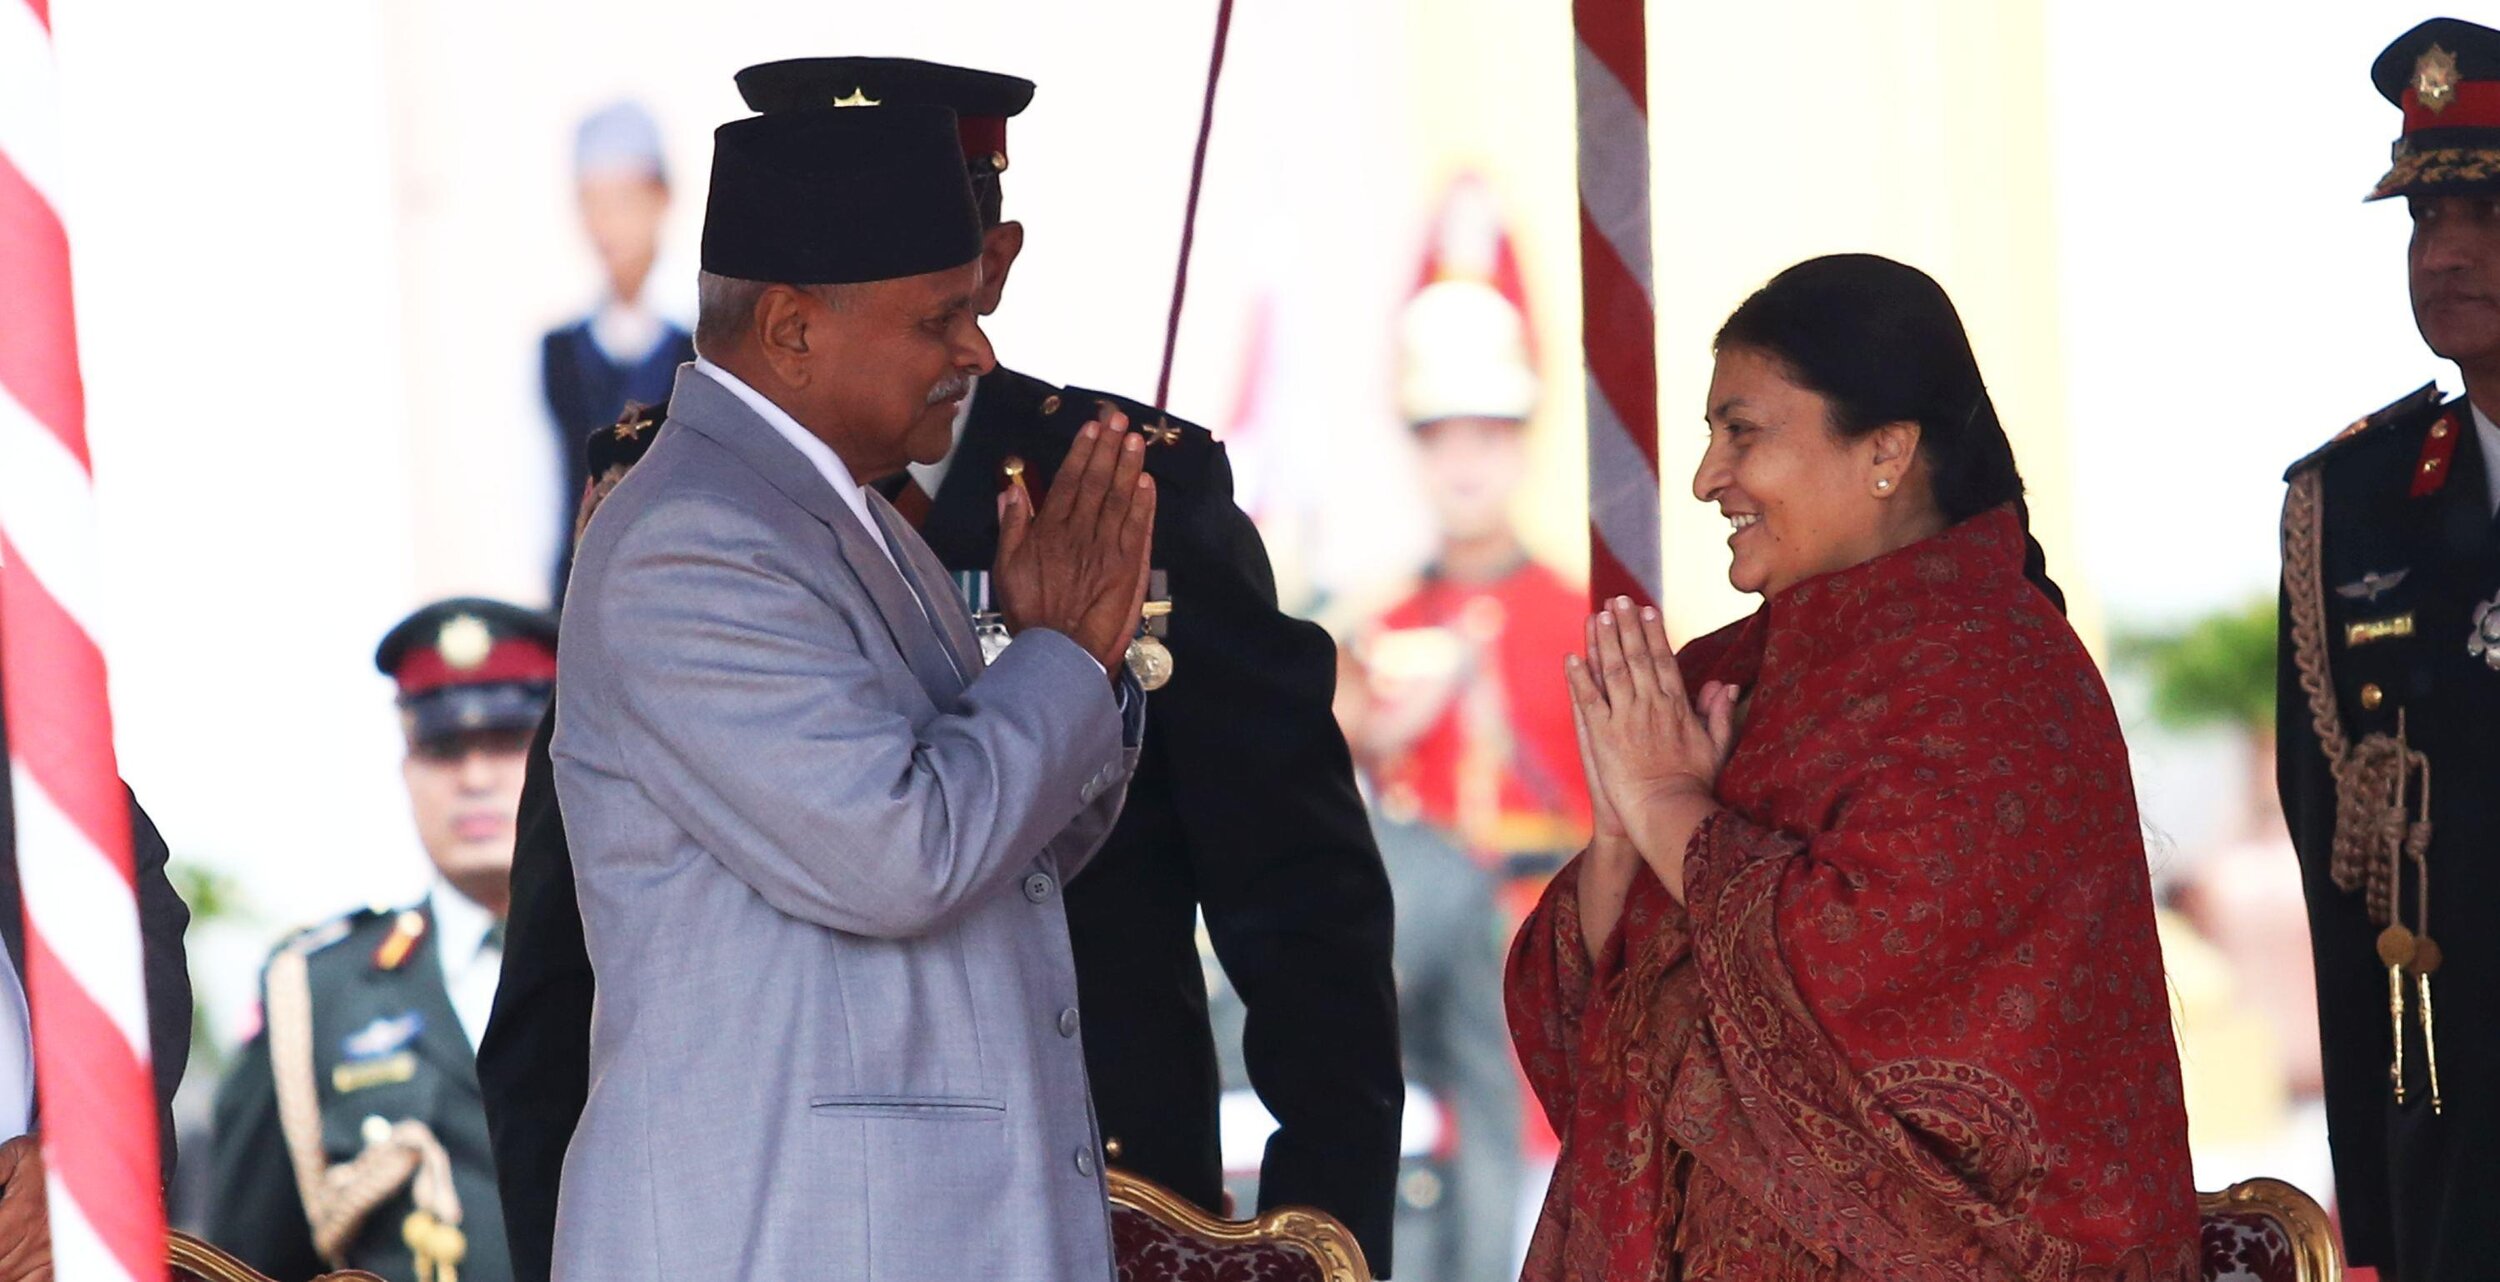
(1618, 322)
(96, 1101)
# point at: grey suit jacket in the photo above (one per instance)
(820, 852)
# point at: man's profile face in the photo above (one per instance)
(2453, 267)
(903, 358)
(622, 213)
(463, 791)
(1470, 468)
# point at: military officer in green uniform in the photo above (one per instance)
(2388, 715)
(351, 1132)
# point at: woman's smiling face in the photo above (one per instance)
(1803, 500)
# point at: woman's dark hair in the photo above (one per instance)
(1882, 343)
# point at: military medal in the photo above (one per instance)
(1149, 660)
(2484, 642)
(988, 625)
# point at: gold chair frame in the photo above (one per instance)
(1313, 1232)
(2315, 1257)
(198, 1258)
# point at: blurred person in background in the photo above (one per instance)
(624, 352)
(533, 1065)
(350, 1133)
(2389, 675)
(1458, 1189)
(1468, 729)
(1459, 1169)
(25, 1232)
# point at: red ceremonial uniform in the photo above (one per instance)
(1500, 767)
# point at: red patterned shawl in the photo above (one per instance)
(1913, 1023)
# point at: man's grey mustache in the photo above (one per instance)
(953, 389)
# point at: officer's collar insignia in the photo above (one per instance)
(405, 932)
(2435, 79)
(859, 97)
(2484, 643)
(2439, 445)
(384, 1035)
(464, 642)
(2369, 586)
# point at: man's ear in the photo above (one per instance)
(784, 318)
(999, 247)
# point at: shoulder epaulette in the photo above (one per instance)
(1162, 428)
(2418, 406)
(312, 939)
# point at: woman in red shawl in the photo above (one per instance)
(1858, 977)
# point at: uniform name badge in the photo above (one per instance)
(988, 625)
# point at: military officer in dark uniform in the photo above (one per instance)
(534, 1064)
(351, 1132)
(1459, 1169)
(1244, 803)
(2389, 712)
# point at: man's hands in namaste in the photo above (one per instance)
(1079, 565)
(1652, 756)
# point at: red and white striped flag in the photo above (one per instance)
(96, 1100)
(1618, 325)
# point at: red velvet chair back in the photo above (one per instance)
(1158, 1237)
(2267, 1231)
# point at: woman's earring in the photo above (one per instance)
(1883, 484)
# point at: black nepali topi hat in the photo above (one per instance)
(982, 101)
(826, 196)
(2445, 76)
(470, 664)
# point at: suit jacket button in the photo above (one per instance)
(1050, 403)
(1037, 887)
(1067, 1022)
(1085, 1161)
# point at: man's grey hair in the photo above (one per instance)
(725, 308)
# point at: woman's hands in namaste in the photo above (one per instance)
(1652, 756)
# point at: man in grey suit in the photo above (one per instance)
(820, 841)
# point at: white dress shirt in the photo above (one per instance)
(472, 962)
(2490, 434)
(17, 1056)
(827, 463)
